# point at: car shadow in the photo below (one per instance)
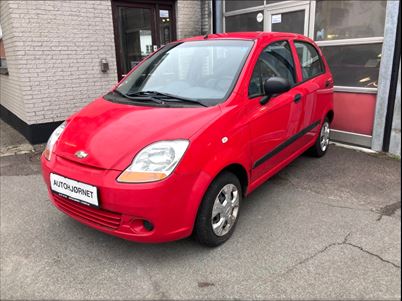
(264, 195)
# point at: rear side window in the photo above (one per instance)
(275, 60)
(310, 60)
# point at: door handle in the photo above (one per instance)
(297, 98)
(327, 83)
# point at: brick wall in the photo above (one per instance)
(53, 53)
(188, 15)
(10, 90)
(54, 48)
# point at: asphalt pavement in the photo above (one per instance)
(326, 228)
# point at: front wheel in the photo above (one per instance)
(219, 210)
(320, 147)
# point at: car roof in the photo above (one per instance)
(253, 35)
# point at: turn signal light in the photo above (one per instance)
(140, 177)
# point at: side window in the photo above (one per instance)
(254, 88)
(310, 60)
(275, 60)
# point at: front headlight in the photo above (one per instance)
(52, 140)
(155, 162)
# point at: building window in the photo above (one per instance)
(354, 65)
(244, 22)
(350, 34)
(231, 5)
(345, 19)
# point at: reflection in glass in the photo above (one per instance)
(290, 22)
(275, 60)
(244, 22)
(345, 19)
(354, 65)
(165, 26)
(231, 5)
(135, 36)
(204, 70)
(311, 64)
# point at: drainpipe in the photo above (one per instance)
(218, 16)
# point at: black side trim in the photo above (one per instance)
(34, 133)
(285, 144)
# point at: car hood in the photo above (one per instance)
(112, 133)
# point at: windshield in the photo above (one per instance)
(200, 70)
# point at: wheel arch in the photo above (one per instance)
(240, 172)
(330, 115)
(235, 168)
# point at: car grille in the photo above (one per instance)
(96, 216)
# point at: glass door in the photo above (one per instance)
(165, 25)
(135, 36)
(286, 18)
(139, 30)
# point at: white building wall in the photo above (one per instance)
(56, 61)
(10, 90)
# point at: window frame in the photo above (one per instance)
(311, 35)
(258, 59)
(340, 42)
(263, 8)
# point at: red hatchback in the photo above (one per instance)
(194, 128)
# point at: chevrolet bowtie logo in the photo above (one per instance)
(81, 154)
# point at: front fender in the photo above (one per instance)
(213, 150)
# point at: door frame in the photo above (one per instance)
(280, 8)
(155, 6)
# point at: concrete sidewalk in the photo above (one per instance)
(326, 228)
(12, 142)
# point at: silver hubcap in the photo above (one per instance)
(324, 136)
(225, 210)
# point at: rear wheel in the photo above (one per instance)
(320, 147)
(219, 210)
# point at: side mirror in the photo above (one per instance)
(274, 85)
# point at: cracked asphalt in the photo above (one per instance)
(326, 228)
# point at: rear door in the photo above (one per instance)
(315, 85)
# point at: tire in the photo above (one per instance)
(218, 208)
(321, 145)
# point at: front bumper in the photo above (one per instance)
(169, 205)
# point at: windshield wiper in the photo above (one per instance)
(165, 96)
(139, 97)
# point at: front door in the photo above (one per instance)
(140, 29)
(271, 125)
(288, 18)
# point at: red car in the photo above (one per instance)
(174, 148)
